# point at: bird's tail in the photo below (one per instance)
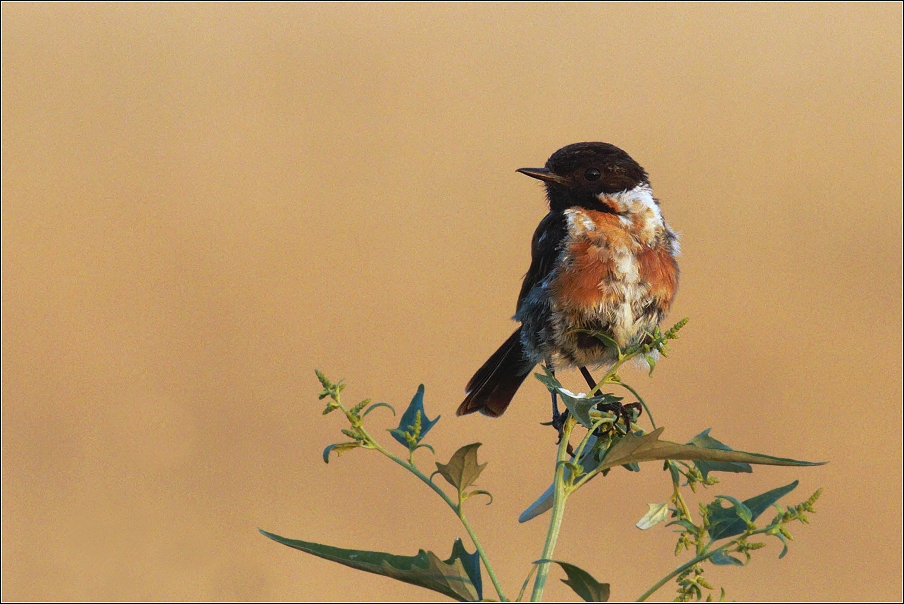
(494, 385)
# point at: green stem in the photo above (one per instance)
(456, 507)
(699, 558)
(675, 573)
(641, 401)
(560, 494)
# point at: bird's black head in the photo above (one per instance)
(577, 174)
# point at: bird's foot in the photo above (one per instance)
(558, 422)
(624, 412)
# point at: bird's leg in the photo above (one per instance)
(620, 410)
(558, 419)
(590, 381)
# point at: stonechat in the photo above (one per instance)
(602, 260)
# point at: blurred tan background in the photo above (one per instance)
(203, 203)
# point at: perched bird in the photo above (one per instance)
(602, 260)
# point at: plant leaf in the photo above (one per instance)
(726, 521)
(480, 492)
(648, 447)
(708, 442)
(409, 417)
(583, 584)
(723, 559)
(658, 513)
(339, 448)
(579, 405)
(533, 569)
(651, 361)
(458, 577)
(462, 469)
(784, 545)
(377, 406)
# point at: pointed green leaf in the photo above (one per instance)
(533, 569)
(579, 405)
(458, 577)
(548, 379)
(409, 418)
(606, 340)
(583, 584)
(480, 492)
(726, 521)
(589, 462)
(723, 559)
(742, 511)
(542, 505)
(658, 513)
(687, 524)
(651, 361)
(784, 545)
(462, 469)
(339, 448)
(378, 405)
(648, 447)
(708, 442)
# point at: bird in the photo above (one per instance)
(602, 260)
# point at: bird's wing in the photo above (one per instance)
(544, 251)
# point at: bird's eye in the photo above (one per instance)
(592, 174)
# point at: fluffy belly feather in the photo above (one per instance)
(606, 281)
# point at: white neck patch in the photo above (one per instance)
(638, 208)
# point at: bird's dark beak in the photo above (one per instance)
(541, 174)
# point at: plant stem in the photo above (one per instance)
(641, 401)
(456, 507)
(458, 512)
(560, 494)
(675, 573)
(706, 555)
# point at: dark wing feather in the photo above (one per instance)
(544, 251)
(494, 385)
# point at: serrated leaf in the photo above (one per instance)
(458, 577)
(462, 469)
(548, 379)
(582, 582)
(725, 521)
(409, 417)
(723, 559)
(657, 513)
(648, 447)
(708, 442)
(339, 448)
(579, 405)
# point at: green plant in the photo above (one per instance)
(723, 535)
